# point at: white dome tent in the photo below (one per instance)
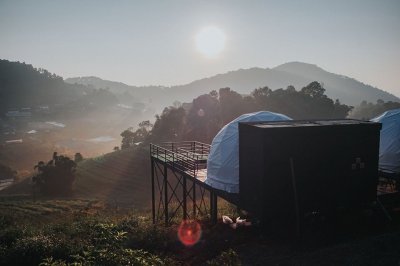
(223, 160)
(389, 146)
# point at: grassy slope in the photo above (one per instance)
(119, 178)
(68, 226)
(122, 178)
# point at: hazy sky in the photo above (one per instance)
(153, 42)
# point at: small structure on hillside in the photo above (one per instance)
(287, 169)
(292, 169)
(223, 161)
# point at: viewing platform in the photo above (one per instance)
(178, 174)
(189, 157)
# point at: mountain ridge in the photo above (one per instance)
(348, 90)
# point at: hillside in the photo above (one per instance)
(40, 114)
(119, 178)
(126, 94)
(347, 90)
(22, 86)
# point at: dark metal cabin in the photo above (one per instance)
(291, 168)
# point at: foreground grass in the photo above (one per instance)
(85, 232)
(82, 232)
(88, 232)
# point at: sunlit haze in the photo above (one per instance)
(176, 42)
(210, 41)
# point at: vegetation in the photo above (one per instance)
(228, 258)
(130, 138)
(208, 113)
(78, 157)
(22, 85)
(119, 178)
(369, 110)
(56, 176)
(348, 90)
(74, 233)
(87, 232)
(103, 232)
(7, 173)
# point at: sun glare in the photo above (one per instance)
(210, 41)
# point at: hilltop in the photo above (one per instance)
(348, 90)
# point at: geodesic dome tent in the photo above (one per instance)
(223, 160)
(389, 146)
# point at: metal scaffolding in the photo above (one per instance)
(178, 172)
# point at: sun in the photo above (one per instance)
(210, 41)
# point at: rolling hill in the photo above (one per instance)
(348, 90)
(22, 85)
(119, 178)
(40, 114)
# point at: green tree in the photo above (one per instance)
(78, 157)
(369, 110)
(231, 104)
(127, 138)
(6, 172)
(169, 126)
(204, 118)
(314, 90)
(130, 137)
(260, 96)
(56, 176)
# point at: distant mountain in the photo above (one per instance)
(96, 82)
(22, 86)
(141, 94)
(347, 90)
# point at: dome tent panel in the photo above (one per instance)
(223, 160)
(389, 146)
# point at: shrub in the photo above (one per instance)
(226, 258)
(57, 176)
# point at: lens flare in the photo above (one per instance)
(189, 232)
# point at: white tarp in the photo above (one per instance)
(223, 160)
(389, 147)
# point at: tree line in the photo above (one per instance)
(367, 110)
(207, 114)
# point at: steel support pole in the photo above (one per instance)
(184, 198)
(194, 199)
(213, 207)
(165, 195)
(153, 200)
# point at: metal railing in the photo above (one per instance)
(187, 156)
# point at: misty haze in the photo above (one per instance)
(199, 133)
